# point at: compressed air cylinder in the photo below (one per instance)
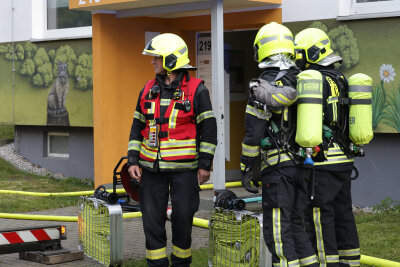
(309, 108)
(360, 114)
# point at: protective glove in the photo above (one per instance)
(251, 173)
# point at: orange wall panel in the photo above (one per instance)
(120, 72)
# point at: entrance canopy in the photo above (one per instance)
(120, 29)
(166, 8)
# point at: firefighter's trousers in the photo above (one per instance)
(284, 204)
(334, 231)
(155, 190)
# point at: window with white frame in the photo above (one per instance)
(52, 19)
(365, 7)
(58, 144)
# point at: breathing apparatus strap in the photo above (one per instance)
(312, 183)
(356, 173)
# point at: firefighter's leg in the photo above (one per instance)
(346, 230)
(185, 202)
(154, 201)
(303, 245)
(278, 196)
(327, 186)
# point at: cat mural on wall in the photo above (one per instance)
(57, 113)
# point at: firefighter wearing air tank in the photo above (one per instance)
(268, 147)
(346, 127)
(171, 148)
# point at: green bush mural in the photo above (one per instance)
(41, 65)
(53, 83)
(368, 46)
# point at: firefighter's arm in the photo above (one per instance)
(206, 127)
(250, 160)
(273, 95)
(135, 137)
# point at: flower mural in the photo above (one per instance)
(387, 73)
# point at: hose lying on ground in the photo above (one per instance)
(196, 221)
(90, 192)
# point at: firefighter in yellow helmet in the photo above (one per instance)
(268, 147)
(171, 148)
(332, 225)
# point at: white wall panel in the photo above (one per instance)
(302, 10)
(21, 20)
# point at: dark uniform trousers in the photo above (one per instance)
(284, 205)
(334, 232)
(155, 189)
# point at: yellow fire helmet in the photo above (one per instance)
(172, 48)
(273, 38)
(315, 43)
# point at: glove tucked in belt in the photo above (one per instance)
(250, 169)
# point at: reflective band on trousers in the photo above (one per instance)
(134, 145)
(350, 252)
(332, 258)
(250, 151)
(276, 225)
(360, 88)
(294, 263)
(177, 165)
(318, 236)
(139, 116)
(207, 148)
(204, 115)
(156, 254)
(350, 262)
(309, 260)
(181, 253)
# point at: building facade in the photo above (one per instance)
(87, 136)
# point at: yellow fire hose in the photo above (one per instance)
(196, 221)
(372, 261)
(57, 218)
(90, 192)
(44, 194)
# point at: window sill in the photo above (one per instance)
(369, 16)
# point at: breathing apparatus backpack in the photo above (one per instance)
(282, 121)
(347, 111)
